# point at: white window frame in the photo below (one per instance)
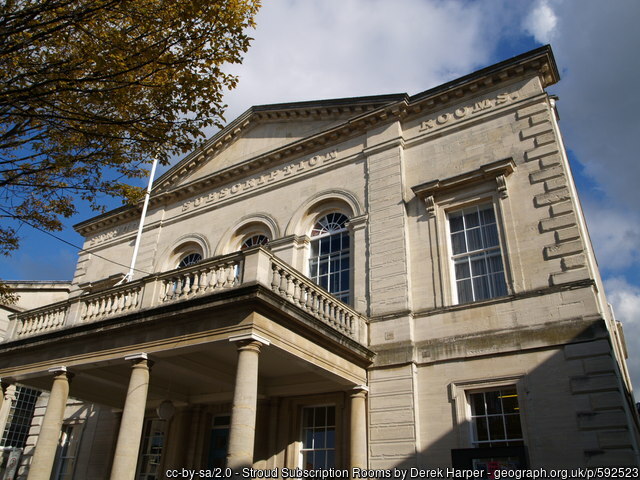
(453, 257)
(317, 238)
(146, 452)
(68, 448)
(302, 431)
(459, 395)
(486, 184)
(475, 418)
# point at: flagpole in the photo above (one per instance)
(129, 276)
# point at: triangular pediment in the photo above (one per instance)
(265, 129)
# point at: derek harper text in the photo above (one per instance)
(399, 473)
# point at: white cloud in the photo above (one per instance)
(595, 49)
(615, 234)
(541, 22)
(625, 299)
(306, 50)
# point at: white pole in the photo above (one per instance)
(129, 276)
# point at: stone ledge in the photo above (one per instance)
(556, 223)
(546, 174)
(550, 198)
(569, 276)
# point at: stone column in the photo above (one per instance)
(128, 445)
(358, 438)
(245, 398)
(7, 395)
(47, 444)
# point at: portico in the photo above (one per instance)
(244, 352)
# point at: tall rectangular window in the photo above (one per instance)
(151, 449)
(67, 451)
(329, 257)
(495, 416)
(20, 417)
(318, 438)
(476, 254)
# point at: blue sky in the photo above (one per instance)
(315, 49)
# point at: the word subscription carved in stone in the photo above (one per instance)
(259, 181)
(110, 235)
(467, 111)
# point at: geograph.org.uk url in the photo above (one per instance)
(570, 473)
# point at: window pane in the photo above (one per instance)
(509, 401)
(488, 215)
(474, 239)
(320, 460)
(490, 236)
(345, 240)
(307, 441)
(307, 460)
(481, 288)
(498, 285)
(481, 429)
(495, 262)
(471, 219)
(325, 244)
(494, 405)
(324, 267)
(478, 265)
(465, 294)
(477, 404)
(496, 428)
(458, 244)
(455, 222)
(318, 438)
(462, 269)
(514, 430)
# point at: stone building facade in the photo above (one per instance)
(376, 282)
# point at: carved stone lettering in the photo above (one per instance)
(286, 171)
(466, 111)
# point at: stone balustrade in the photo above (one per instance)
(114, 301)
(255, 265)
(34, 322)
(201, 278)
(299, 290)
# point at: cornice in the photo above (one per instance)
(369, 112)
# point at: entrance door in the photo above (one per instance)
(219, 442)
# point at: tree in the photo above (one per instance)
(91, 90)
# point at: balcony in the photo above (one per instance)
(223, 274)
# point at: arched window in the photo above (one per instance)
(189, 260)
(329, 262)
(254, 240)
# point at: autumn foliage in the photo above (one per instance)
(91, 90)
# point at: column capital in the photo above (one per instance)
(359, 390)
(60, 371)
(139, 358)
(250, 337)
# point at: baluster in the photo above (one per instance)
(282, 288)
(296, 291)
(220, 277)
(89, 310)
(202, 285)
(231, 274)
(331, 313)
(275, 278)
(177, 289)
(289, 287)
(187, 280)
(135, 297)
(213, 281)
